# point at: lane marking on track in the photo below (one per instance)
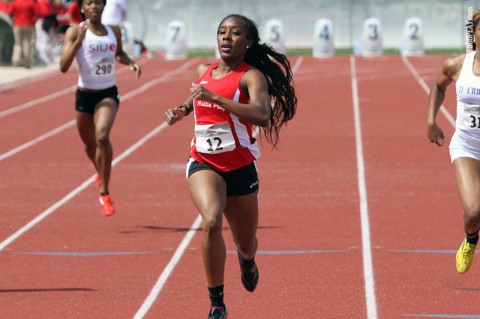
(43, 99)
(90, 180)
(48, 97)
(424, 251)
(147, 304)
(121, 253)
(444, 316)
(36, 140)
(362, 190)
(50, 72)
(67, 125)
(79, 189)
(157, 288)
(425, 87)
(84, 253)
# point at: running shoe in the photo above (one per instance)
(249, 275)
(107, 205)
(465, 256)
(97, 180)
(218, 313)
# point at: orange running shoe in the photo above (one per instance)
(98, 180)
(107, 205)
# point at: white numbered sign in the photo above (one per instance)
(274, 35)
(176, 47)
(412, 41)
(372, 37)
(323, 39)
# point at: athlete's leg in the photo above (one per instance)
(104, 117)
(86, 130)
(467, 178)
(208, 192)
(242, 215)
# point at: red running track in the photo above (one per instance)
(318, 234)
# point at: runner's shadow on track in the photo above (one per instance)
(46, 290)
(468, 289)
(180, 229)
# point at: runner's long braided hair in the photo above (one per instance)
(276, 68)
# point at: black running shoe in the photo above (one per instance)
(218, 313)
(249, 276)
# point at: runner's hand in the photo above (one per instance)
(435, 135)
(172, 116)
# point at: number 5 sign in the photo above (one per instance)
(274, 35)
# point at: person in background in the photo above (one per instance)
(115, 13)
(24, 15)
(250, 86)
(4, 6)
(464, 71)
(71, 14)
(45, 30)
(95, 47)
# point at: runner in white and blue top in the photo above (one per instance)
(95, 48)
(466, 140)
(96, 60)
(464, 147)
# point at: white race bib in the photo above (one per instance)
(214, 138)
(103, 69)
(471, 117)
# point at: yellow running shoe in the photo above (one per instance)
(465, 256)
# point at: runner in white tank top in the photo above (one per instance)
(466, 140)
(96, 47)
(465, 144)
(96, 60)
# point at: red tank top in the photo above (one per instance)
(222, 140)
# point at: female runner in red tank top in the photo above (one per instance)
(251, 86)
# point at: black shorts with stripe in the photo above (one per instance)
(86, 101)
(242, 181)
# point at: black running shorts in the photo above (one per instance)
(86, 102)
(242, 181)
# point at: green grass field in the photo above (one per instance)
(339, 51)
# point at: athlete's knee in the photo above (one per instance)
(102, 139)
(212, 225)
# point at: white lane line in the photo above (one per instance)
(425, 87)
(43, 99)
(47, 98)
(37, 140)
(371, 302)
(125, 97)
(80, 188)
(297, 65)
(157, 288)
(77, 190)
